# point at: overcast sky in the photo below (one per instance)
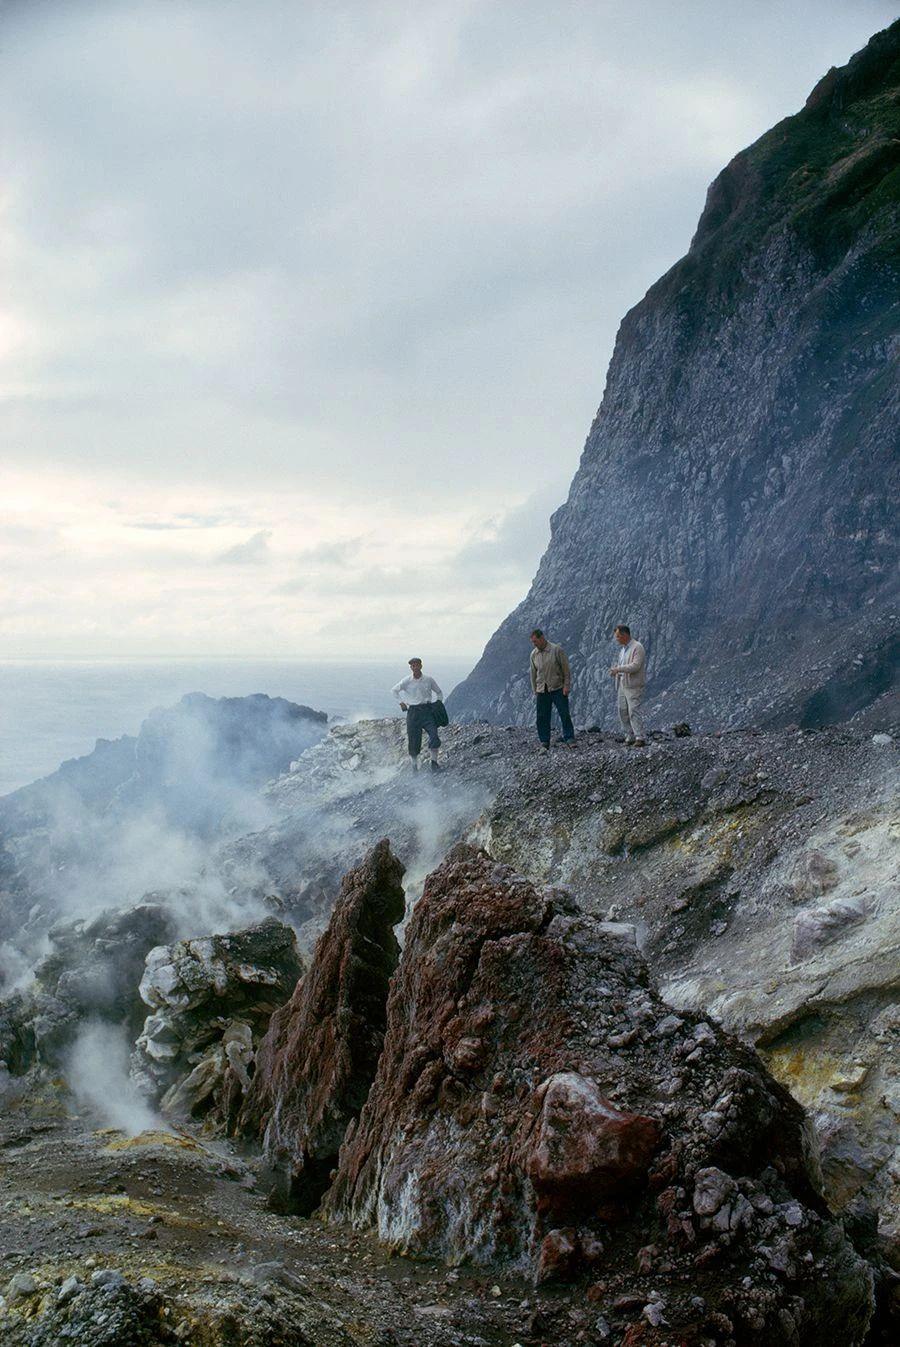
(308, 306)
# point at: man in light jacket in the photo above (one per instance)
(630, 674)
(415, 695)
(550, 682)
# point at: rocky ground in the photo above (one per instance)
(108, 1241)
(756, 872)
(761, 872)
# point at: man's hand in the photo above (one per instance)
(613, 671)
(403, 706)
(565, 689)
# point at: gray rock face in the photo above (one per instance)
(736, 501)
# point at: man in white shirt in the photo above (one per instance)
(415, 695)
(630, 674)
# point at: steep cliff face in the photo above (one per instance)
(736, 499)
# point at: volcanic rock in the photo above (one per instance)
(211, 1000)
(547, 1150)
(318, 1059)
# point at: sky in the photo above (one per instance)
(307, 307)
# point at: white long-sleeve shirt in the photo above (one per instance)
(417, 691)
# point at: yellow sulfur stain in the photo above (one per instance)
(150, 1138)
(109, 1204)
(806, 1074)
(718, 839)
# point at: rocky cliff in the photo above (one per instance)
(736, 499)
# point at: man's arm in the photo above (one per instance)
(398, 689)
(636, 662)
(532, 664)
(566, 672)
(436, 690)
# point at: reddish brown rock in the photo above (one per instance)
(585, 1154)
(535, 1110)
(559, 1256)
(318, 1058)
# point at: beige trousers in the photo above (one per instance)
(630, 712)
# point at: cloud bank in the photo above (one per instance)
(296, 278)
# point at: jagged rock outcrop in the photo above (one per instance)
(211, 1001)
(538, 1107)
(736, 500)
(318, 1059)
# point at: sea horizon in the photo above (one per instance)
(53, 709)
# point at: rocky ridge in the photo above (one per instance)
(142, 813)
(758, 869)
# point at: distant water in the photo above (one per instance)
(53, 711)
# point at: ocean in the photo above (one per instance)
(51, 711)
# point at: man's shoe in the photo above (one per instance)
(570, 743)
(414, 764)
(629, 743)
(435, 766)
(543, 748)
(639, 743)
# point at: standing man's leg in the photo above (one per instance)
(434, 740)
(414, 734)
(625, 717)
(561, 702)
(544, 707)
(635, 715)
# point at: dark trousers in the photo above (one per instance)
(419, 718)
(545, 704)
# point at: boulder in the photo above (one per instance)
(819, 925)
(528, 1115)
(211, 1000)
(319, 1056)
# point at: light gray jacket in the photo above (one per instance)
(632, 662)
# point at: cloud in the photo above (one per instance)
(337, 273)
(512, 541)
(182, 521)
(253, 552)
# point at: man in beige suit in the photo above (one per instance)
(630, 674)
